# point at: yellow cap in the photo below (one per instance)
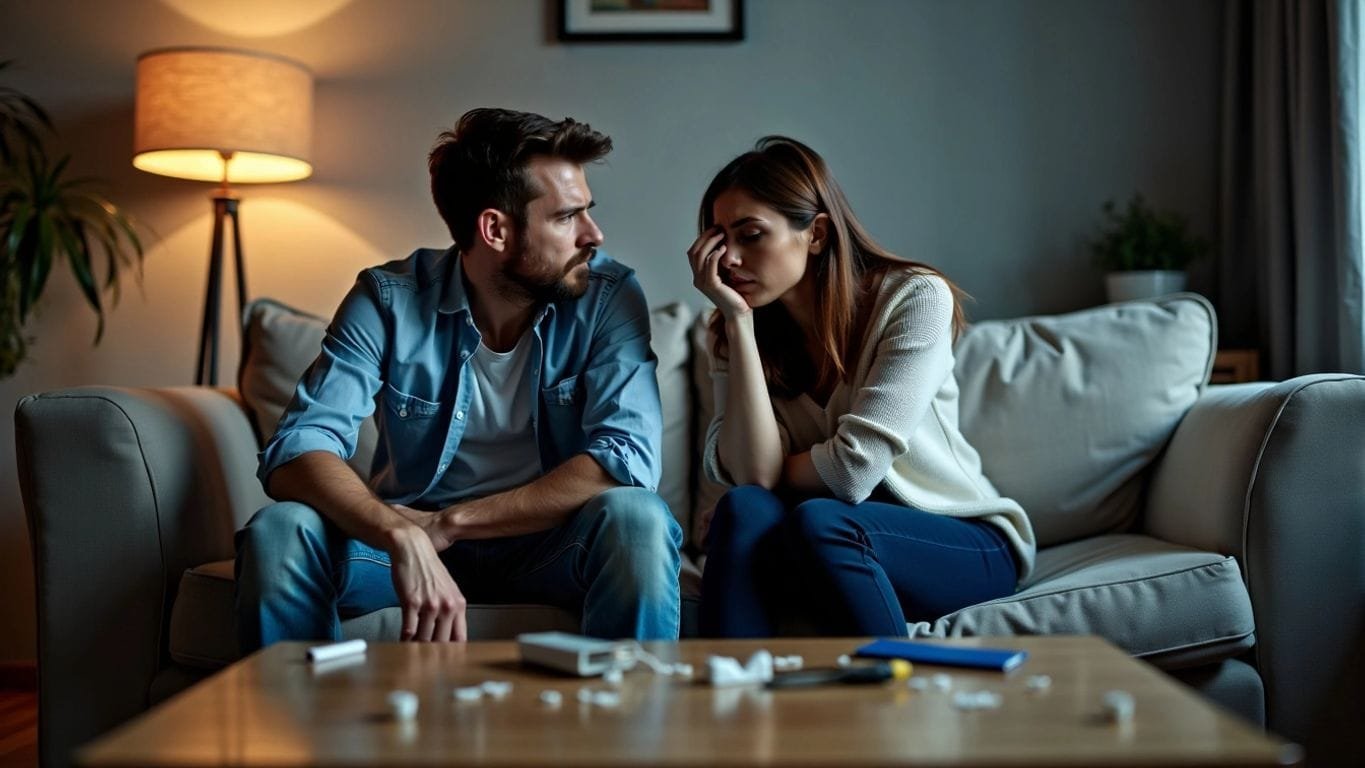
(901, 669)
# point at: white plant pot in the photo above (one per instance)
(1143, 284)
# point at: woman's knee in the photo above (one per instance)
(819, 520)
(747, 505)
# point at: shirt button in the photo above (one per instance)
(403, 412)
(469, 321)
(463, 355)
(459, 415)
(442, 468)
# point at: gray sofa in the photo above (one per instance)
(1217, 532)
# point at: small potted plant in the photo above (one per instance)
(1144, 251)
(47, 216)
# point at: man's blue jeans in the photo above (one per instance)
(616, 560)
(850, 569)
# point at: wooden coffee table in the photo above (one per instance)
(275, 709)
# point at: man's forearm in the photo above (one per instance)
(539, 505)
(327, 484)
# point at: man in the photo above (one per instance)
(518, 412)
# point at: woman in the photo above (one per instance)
(858, 502)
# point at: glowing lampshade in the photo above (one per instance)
(215, 114)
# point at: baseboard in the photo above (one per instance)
(19, 675)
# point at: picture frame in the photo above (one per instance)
(650, 20)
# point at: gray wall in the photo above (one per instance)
(979, 135)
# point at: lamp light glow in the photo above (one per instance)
(197, 106)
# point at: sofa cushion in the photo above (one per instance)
(1068, 411)
(204, 619)
(1172, 605)
(279, 343)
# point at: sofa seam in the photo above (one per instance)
(1121, 582)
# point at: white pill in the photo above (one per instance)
(683, 670)
(920, 684)
(613, 677)
(971, 700)
(844, 661)
(584, 696)
(609, 699)
(551, 698)
(942, 682)
(403, 705)
(1119, 706)
(469, 693)
(1038, 683)
(497, 688)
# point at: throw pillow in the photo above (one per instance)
(1068, 411)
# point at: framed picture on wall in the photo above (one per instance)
(637, 20)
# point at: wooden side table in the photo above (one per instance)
(1234, 366)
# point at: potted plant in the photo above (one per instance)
(1144, 251)
(44, 216)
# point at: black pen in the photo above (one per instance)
(861, 673)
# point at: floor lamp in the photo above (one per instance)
(230, 116)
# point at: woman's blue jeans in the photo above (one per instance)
(846, 569)
(616, 560)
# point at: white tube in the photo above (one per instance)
(335, 650)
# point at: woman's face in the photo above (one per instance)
(765, 257)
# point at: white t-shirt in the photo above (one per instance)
(498, 450)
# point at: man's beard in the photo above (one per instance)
(541, 288)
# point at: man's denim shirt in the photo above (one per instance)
(398, 347)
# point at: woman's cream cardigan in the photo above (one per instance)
(895, 423)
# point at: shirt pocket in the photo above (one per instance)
(408, 407)
(563, 393)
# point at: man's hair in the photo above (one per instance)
(482, 163)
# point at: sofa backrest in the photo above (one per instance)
(1067, 411)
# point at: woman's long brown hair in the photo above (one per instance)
(792, 179)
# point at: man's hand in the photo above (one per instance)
(433, 606)
(431, 522)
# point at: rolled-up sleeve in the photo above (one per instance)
(621, 416)
(336, 394)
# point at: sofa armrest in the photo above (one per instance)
(123, 490)
(1274, 474)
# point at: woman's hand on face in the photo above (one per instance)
(705, 255)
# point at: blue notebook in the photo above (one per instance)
(1003, 659)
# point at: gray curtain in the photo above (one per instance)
(1288, 274)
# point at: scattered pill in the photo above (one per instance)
(971, 700)
(584, 696)
(469, 693)
(498, 689)
(403, 705)
(551, 698)
(1119, 706)
(844, 661)
(613, 677)
(942, 682)
(1038, 683)
(920, 684)
(608, 699)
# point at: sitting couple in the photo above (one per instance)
(514, 389)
